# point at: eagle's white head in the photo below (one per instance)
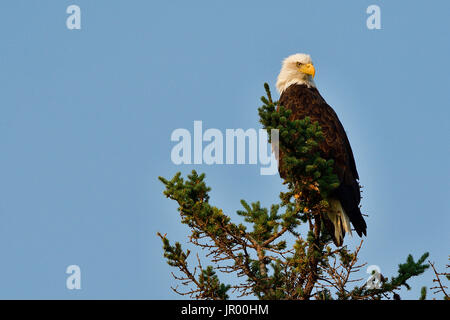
(296, 69)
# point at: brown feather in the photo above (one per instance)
(304, 101)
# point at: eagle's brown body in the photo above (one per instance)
(307, 102)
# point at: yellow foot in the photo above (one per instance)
(314, 186)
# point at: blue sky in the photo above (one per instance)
(86, 117)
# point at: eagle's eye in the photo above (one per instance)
(299, 64)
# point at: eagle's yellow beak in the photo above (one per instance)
(308, 69)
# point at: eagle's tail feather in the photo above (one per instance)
(358, 221)
(340, 221)
(350, 202)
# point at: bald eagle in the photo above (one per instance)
(299, 94)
